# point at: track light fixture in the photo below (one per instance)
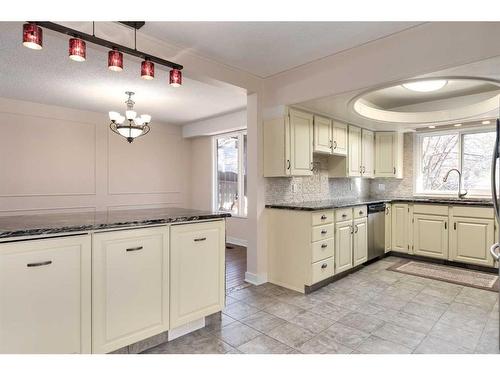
(32, 36)
(77, 49)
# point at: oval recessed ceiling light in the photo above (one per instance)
(486, 122)
(457, 125)
(425, 86)
(432, 127)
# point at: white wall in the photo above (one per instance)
(216, 125)
(55, 159)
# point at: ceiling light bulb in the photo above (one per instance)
(426, 86)
(146, 119)
(457, 125)
(130, 115)
(120, 120)
(486, 122)
(432, 127)
(32, 36)
(114, 116)
(77, 49)
(138, 121)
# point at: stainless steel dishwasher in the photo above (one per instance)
(376, 230)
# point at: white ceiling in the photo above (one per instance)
(50, 77)
(457, 95)
(268, 48)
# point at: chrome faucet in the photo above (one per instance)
(445, 178)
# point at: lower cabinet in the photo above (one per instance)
(388, 227)
(360, 241)
(430, 236)
(130, 286)
(343, 246)
(471, 239)
(45, 296)
(399, 218)
(197, 277)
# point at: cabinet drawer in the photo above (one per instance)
(321, 270)
(322, 250)
(430, 209)
(343, 214)
(322, 232)
(476, 212)
(322, 217)
(359, 211)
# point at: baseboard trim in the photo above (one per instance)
(185, 329)
(237, 241)
(254, 279)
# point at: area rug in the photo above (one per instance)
(455, 275)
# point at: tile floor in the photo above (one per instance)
(371, 311)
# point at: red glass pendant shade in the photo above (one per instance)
(175, 77)
(147, 70)
(115, 60)
(32, 36)
(77, 49)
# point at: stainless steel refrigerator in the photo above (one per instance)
(495, 249)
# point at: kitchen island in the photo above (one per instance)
(102, 281)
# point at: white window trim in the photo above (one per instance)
(241, 182)
(418, 159)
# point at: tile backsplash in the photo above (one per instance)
(319, 187)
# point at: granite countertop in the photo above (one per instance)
(47, 224)
(339, 203)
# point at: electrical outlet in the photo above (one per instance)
(381, 187)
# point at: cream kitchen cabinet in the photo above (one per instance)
(354, 161)
(388, 227)
(339, 131)
(343, 246)
(323, 137)
(197, 277)
(399, 228)
(388, 154)
(430, 235)
(360, 241)
(45, 296)
(471, 235)
(130, 286)
(288, 145)
(367, 153)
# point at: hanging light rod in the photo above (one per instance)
(106, 43)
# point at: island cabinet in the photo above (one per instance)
(288, 145)
(130, 286)
(197, 277)
(45, 296)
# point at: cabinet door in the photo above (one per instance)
(339, 138)
(399, 226)
(343, 246)
(129, 287)
(301, 143)
(354, 157)
(360, 241)
(323, 142)
(388, 227)
(430, 235)
(471, 239)
(45, 292)
(367, 154)
(385, 155)
(197, 271)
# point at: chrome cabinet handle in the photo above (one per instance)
(455, 225)
(364, 169)
(288, 164)
(493, 251)
(394, 170)
(387, 210)
(323, 217)
(324, 265)
(200, 239)
(445, 225)
(361, 212)
(331, 144)
(39, 264)
(360, 169)
(324, 246)
(356, 231)
(344, 215)
(334, 145)
(351, 228)
(135, 248)
(324, 231)
(312, 166)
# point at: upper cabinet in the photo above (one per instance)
(389, 154)
(323, 141)
(339, 131)
(288, 145)
(367, 153)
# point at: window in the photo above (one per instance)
(231, 173)
(468, 151)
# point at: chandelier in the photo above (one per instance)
(129, 126)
